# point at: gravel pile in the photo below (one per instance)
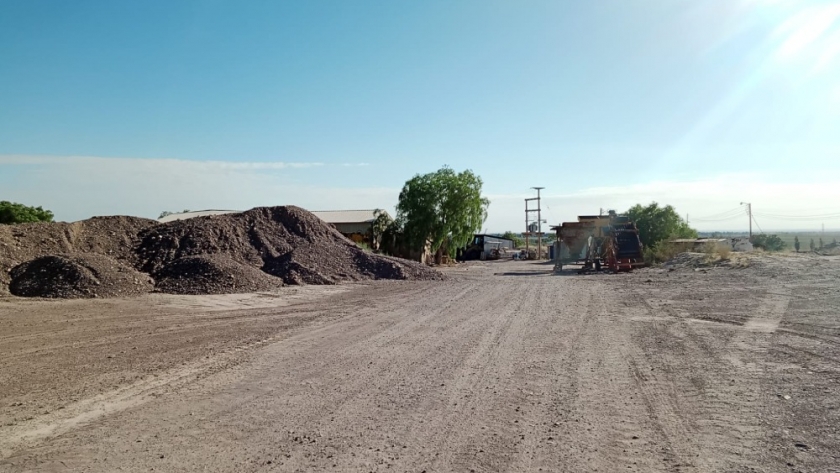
(115, 237)
(213, 274)
(77, 276)
(257, 250)
(287, 242)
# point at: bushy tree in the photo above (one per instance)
(517, 239)
(381, 222)
(768, 242)
(442, 206)
(12, 212)
(657, 223)
(813, 246)
(796, 243)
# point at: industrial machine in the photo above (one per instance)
(596, 241)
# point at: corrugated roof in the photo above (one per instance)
(197, 213)
(346, 216)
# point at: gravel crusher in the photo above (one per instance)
(597, 242)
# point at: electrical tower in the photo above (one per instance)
(528, 224)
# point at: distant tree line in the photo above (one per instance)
(166, 213)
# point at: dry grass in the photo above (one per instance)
(660, 254)
(717, 251)
(740, 260)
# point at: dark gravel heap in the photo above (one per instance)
(77, 276)
(287, 242)
(213, 274)
(250, 251)
(115, 237)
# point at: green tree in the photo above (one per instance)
(813, 246)
(796, 243)
(517, 239)
(441, 206)
(12, 212)
(768, 242)
(381, 222)
(657, 223)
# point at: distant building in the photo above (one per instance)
(356, 225)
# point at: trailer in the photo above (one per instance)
(486, 247)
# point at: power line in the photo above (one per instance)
(723, 215)
(756, 224)
(799, 217)
(705, 220)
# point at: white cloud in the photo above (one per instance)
(80, 187)
(77, 187)
(697, 198)
(157, 163)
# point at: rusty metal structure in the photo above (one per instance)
(598, 241)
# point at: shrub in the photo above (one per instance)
(660, 253)
(717, 250)
(768, 242)
(12, 212)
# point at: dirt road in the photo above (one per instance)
(502, 368)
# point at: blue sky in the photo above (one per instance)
(139, 107)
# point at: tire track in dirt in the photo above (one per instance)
(316, 380)
(719, 392)
(484, 360)
(86, 411)
(482, 373)
(547, 381)
(625, 411)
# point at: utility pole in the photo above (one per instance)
(527, 230)
(539, 222)
(749, 212)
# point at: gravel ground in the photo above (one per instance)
(503, 367)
